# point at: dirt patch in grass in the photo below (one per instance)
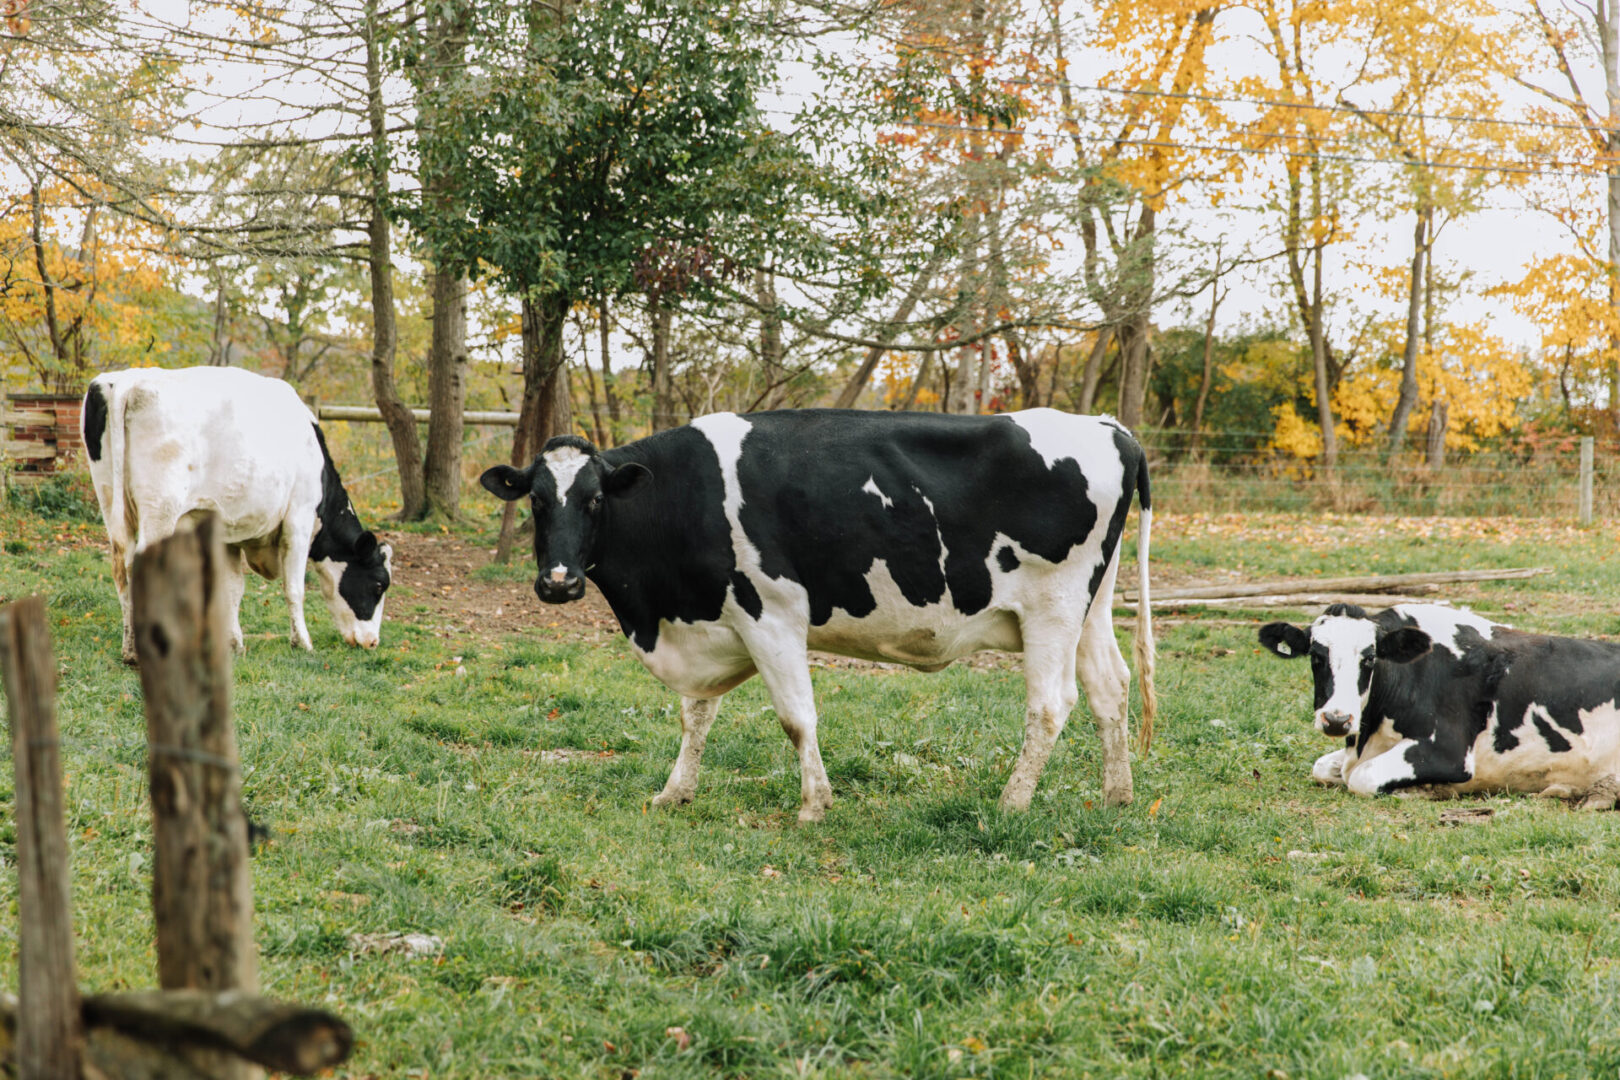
(441, 583)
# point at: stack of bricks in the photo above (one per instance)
(41, 431)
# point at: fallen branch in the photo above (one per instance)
(1369, 583)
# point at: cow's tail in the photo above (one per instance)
(1145, 651)
(117, 509)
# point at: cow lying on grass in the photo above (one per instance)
(165, 445)
(738, 543)
(1430, 697)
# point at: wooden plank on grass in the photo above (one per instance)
(1365, 583)
(48, 1032)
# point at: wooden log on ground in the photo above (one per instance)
(1370, 601)
(289, 1038)
(202, 892)
(1367, 583)
(47, 1045)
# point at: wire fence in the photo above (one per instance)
(1224, 472)
(1230, 472)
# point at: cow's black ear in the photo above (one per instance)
(1285, 639)
(625, 478)
(1404, 645)
(505, 482)
(366, 546)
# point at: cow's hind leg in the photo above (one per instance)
(697, 716)
(121, 563)
(1049, 657)
(1107, 682)
(787, 677)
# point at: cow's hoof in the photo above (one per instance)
(1557, 791)
(1603, 796)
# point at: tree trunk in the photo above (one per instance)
(663, 416)
(890, 330)
(1609, 42)
(1134, 333)
(219, 350)
(543, 323)
(924, 369)
(447, 394)
(1091, 378)
(385, 331)
(1207, 377)
(770, 339)
(1409, 358)
(1437, 436)
(967, 324)
(608, 391)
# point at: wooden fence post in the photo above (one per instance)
(202, 890)
(1586, 479)
(49, 1030)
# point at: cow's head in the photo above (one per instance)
(354, 587)
(1343, 644)
(569, 487)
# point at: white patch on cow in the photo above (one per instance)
(871, 486)
(1442, 624)
(559, 573)
(1380, 774)
(1329, 769)
(565, 463)
(1055, 436)
(1284, 649)
(1346, 639)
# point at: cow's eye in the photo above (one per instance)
(596, 500)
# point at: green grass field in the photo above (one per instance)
(1235, 921)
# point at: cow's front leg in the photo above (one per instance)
(697, 716)
(294, 558)
(1329, 769)
(1410, 763)
(1603, 795)
(1051, 694)
(787, 677)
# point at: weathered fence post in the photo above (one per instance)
(202, 891)
(49, 1031)
(1586, 479)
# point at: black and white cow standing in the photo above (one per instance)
(168, 444)
(738, 543)
(1438, 698)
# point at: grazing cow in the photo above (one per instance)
(738, 543)
(168, 445)
(1440, 699)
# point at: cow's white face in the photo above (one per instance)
(1344, 649)
(355, 593)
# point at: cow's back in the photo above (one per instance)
(219, 439)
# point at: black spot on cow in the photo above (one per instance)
(1007, 559)
(1555, 741)
(95, 420)
(746, 595)
(956, 480)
